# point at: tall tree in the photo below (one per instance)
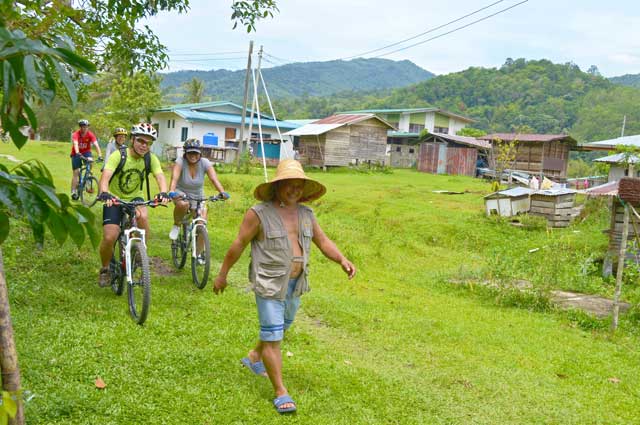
(195, 90)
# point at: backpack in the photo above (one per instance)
(147, 167)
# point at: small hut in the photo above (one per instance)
(343, 139)
(507, 203)
(450, 154)
(556, 205)
(619, 165)
(546, 154)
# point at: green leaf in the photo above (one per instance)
(9, 404)
(76, 61)
(4, 418)
(57, 227)
(74, 228)
(66, 82)
(94, 236)
(8, 196)
(4, 227)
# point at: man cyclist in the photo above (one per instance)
(125, 181)
(82, 140)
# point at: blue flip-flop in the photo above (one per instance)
(279, 401)
(257, 367)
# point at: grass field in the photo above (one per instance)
(413, 339)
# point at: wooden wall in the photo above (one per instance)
(437, 158)
(368, 141)
(530, 158)
(312, 150)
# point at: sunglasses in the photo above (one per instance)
(143, 141)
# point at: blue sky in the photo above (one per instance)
(587, 32)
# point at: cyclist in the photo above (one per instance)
(123, 177)
(82, 140)
(119, 137)
(188, 178)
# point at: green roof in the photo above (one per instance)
(411, 110)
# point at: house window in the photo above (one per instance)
(173, 123)
(168, 123)
(443, 130)
(185, 133)
(398, 149)
(411, 150)
(416, 128)
(257, 136)
(229, 133)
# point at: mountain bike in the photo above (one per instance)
(130, 262)
(88, 184)
(195, 237)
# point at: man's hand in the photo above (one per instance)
(348, 268)
(224, 196)
(162, 198)
(107, 198)
(219, 284)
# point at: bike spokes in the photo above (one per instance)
(139, 289)
(201, 261)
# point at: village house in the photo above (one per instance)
(618, 163)
(342, 139)
(214, 123)
(538, 153)
(446, 154)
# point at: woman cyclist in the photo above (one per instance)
(119, 137)
(187, 178)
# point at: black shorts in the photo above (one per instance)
(76, 161)
(113, 214)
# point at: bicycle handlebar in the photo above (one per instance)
(213, 198)
(133, 204)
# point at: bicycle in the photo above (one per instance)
(131, 262)
(87, 183)
(193, 233)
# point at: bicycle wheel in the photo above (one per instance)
(200, 263)
(117, 268)
(89, 192)
(140, 288)
(179, 248)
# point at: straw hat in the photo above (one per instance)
(290, 169)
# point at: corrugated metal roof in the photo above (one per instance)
(618, 158)
(529, 137)
(344, 119)
(394, 133)
(511, 193)
(170, 108)
(465, 140)
(555, 192)
(411, 110)
(312, 129)
(607, 189)
(220, 117)
(612, 143)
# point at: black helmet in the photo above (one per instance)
(119, 131)
(83, 122)
(192, 145)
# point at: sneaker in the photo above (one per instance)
(74, 196)
(105, 277)
(175, 231)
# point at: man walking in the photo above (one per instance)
(280, 231)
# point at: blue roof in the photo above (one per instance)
(219, 117)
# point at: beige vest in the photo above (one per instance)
(271, 257)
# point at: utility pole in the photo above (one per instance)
(244, 105)
(256, 83)
(624, 122)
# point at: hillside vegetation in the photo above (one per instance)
(301, 79)
(416, 338)
(632, 80)
(537, 95)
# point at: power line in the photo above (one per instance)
(423, 33)
(205, 54)
(452, 31)
(206, 60)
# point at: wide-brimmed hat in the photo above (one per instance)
(290, 169)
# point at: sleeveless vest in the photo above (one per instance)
(271, 257)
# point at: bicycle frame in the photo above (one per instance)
(127, 247)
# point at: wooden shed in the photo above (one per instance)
(450, 154)
(556, 205)
(539, 153)
(507, 203)
(343, 139)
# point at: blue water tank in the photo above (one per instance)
(210, 139)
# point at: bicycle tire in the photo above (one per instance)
(89, 192)
(139, 289)
(200, 272)
(179, 248)
(117, 267)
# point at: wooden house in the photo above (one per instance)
(546, 154)
(342, 139)
(444, 154)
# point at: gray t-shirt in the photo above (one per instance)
(193, 186)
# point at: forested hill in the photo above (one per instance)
(298, 79)
(632, 80)
(535, 95)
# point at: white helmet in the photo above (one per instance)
(144, 129)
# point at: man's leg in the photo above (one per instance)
(74, 180)
(143, 219)
(110, 234)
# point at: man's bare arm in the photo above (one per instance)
(331, 251)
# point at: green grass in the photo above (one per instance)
(399, 344)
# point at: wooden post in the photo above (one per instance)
(8, 353)
(621, 258)
(244, 105)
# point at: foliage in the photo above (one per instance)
(195, 90)
(580, 168)
(132, 98)
(248, 12)
(503, 156)
(8, 407)
(632, 80)
(27, 193)
(471, 132)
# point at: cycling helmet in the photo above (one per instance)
(144, 129)
(192, 145)
(83, 122)
(118, 131)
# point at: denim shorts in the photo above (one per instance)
(276, 316)
(76, 161)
